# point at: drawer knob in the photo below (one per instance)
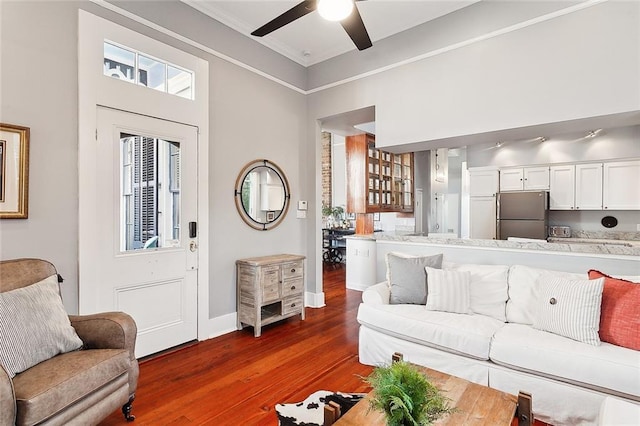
(293, 305)
(293, 270)
(293, 287)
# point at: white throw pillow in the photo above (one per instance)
(34, 326)
(570, 308)
(448, 291)
(487, 288)
(523, 293)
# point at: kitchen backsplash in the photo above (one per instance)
(591, 220)
(606, 235)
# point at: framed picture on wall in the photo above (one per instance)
(3, 166)
(14, 171)
(271, 216)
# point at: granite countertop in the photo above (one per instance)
(576, 245)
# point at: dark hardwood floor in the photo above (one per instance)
(237, 379)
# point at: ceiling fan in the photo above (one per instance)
(343, 11)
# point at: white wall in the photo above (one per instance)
(250, 117)
(584, 64)
(39, 89)
(572, 67)
(338, 171)
(610, 144)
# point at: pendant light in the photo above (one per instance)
(335, 10)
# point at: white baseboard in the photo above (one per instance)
(229, 323)
(357, 286)
(220, 325)
(314, 300)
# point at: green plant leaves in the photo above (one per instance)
(405, 395)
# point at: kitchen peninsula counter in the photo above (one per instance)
(366, 262)
(578, 245)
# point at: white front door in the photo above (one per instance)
(145, 260)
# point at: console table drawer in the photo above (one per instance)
(292, 304)
(292, 270)
(292, 287)
(270, 283)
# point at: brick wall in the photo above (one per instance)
(326, 168)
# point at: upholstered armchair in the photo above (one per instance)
(59, 369)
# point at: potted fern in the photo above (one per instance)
(406, 396)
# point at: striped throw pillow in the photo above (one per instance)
(34, 326)
(448, 291)
(570, 308)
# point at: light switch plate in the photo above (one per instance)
(301, 214)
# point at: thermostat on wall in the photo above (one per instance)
(302, 205)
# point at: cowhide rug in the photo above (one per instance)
(310, 412)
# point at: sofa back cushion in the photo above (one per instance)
(569, 308)
(34, 326)
(448, 291)
(523, 291)
(487, 287)
(407, 277)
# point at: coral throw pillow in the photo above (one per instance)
(620, 312)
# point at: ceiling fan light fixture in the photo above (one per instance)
(335, 10)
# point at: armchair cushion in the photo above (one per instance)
(62, 381)
(34, 326)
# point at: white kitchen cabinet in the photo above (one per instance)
(483, 183)
(536, 178)
(511, 179)
(482, 217)
(562, 187)
(361, 263)
(524, 179)
(621, 185)
(588, 186)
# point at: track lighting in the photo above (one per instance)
(593, 133)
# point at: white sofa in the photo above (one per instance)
(497, 345)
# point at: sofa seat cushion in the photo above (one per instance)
(61, 381)
(468, 335)
(607, 367)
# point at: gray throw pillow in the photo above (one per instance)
(408, 278)
(34, 326)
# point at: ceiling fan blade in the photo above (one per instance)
(287, 17)
(354, 26)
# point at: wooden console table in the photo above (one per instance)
(269, 289)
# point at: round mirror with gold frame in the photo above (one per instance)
(262, 194)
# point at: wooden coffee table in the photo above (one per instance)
(476, 405)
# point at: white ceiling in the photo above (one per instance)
(311, 39)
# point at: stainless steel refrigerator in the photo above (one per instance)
(523, 215)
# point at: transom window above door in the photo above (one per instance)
(139, 68)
